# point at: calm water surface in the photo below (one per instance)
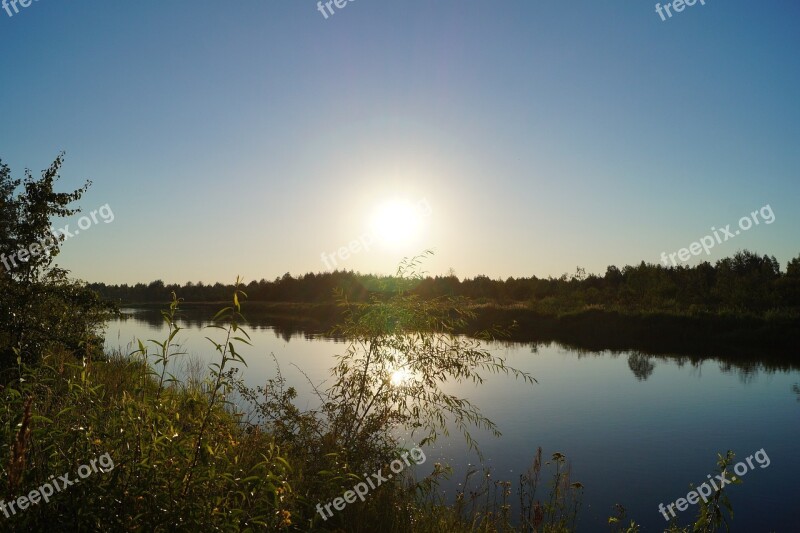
(636, 429)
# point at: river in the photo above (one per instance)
(636, 429)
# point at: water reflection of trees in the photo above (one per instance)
(285, 328)
(746, 370)
(641, 363)
(641, 366)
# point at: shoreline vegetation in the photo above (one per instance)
(741, 306)
(592, 329)
(656, 333)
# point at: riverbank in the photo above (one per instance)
(593, 329)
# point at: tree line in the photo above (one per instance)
(745, 282)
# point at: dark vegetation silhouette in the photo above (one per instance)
(740, 305)
(744, 284)
(41, 305)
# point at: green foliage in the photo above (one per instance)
(182, 462)
(711, 516)
(42, 308)
(401, 350)
(27, 217)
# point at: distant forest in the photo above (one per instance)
(744, 283)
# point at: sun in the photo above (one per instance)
(401, 377)
(396, 223)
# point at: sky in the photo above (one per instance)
(512, 138)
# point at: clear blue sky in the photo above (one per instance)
(249, 137)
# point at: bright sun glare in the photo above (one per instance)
(396, 223)
(401, 377)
